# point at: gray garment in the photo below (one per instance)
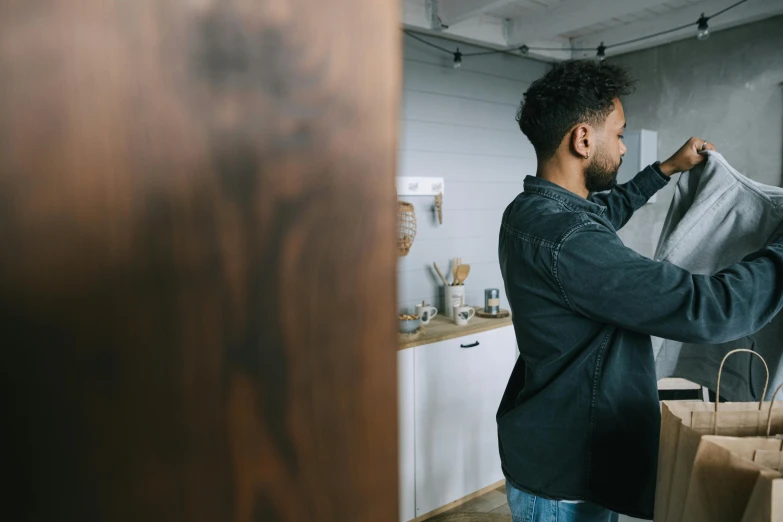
(717, 217)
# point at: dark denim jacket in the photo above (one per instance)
(580, 417)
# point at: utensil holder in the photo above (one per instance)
(453, 295)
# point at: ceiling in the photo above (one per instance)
(566, 24)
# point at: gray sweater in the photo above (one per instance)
(716, 218)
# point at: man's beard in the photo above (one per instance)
(601, 174)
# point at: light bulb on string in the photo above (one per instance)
(704, 28)
(457, 59)
(601, 53)
(703, 32)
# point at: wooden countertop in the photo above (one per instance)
(442, 328)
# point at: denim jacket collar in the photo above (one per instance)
(573, 202)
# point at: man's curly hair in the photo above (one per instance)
(573, 92)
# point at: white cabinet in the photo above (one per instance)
(458, 386)
(406, 434)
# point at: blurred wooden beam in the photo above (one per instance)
(197, 285)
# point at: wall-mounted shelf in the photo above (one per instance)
(420, 186)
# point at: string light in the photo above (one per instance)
(600, 54)
(703, 33)
(704, 28)
(458, 59)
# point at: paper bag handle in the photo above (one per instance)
(766, 383)
(771, 404)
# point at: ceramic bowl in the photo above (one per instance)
(409, 325)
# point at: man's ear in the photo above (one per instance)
(582, 140)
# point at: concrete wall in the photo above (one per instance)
(727, 89)
(460, 125)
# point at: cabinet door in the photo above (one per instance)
(406, 438)
(459, 384)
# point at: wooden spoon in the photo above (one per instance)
(439, 274)
(462, 273)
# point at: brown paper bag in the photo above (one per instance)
(766, 500)
(724, 477)
(772, 459)
(683, 423)
(682, 426)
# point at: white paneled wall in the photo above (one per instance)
(460, 125)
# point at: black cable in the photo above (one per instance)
(493, 51)
(652, 35)
(674, 29)
(561, 48)
(514, 50)
(422, 40)
(729, 7)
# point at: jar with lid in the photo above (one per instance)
(492, 301)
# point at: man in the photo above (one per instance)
(579, 422)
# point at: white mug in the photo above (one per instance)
(463, 314)
(426, 313)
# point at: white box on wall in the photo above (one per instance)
(642, 148)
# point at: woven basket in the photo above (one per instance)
(406, 223)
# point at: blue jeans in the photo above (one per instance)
(530, 508)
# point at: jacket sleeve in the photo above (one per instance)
(603, 279)
(623, 200)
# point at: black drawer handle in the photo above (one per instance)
(469, 345)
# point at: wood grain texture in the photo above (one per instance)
(197, 285)
(442, 329)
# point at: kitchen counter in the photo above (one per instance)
(442, 328)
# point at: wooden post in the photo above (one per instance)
(197, 260)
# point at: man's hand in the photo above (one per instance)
(689, 155)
